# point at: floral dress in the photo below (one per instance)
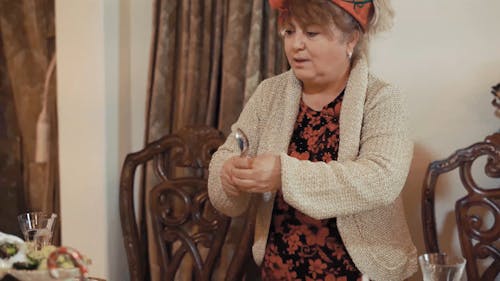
(300, 247)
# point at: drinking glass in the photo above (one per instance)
(37, 228)
(441, 267)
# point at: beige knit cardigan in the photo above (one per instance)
(362, 188)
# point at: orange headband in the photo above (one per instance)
(359, 9)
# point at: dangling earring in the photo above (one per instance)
(349, 54)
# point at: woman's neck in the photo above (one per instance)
(316, 96)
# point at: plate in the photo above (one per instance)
(43, 275)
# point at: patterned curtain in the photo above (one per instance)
(27, 36)
(208, 56)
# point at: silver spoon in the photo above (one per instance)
(242, 141)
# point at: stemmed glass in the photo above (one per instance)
(441, 267)
(37, 228)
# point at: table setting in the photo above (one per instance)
(35, 258)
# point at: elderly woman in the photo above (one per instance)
(329, 153)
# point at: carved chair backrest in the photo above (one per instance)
(478, 240)
(189, 232)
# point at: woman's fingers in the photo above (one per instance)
(242, 162)
(251, 184)
(228, 185)
(244, 183)
(226, 178)
(260, 189)
(242, 173)
(230, 190)
(256, 175)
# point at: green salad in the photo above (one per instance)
(37, 259)
(8, 250)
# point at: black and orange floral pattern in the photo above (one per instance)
(300, 247)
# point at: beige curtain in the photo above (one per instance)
(28, 36)
(208, 56)
(12, 199)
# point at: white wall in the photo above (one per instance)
(444, 55)
(102, 54)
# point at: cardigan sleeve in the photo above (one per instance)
(249, 122)
(375, 178)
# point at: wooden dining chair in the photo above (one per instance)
(189, 232)
(478, 235)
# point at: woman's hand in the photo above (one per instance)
(258, 175)
(226, 176)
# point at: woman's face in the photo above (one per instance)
(317, 54)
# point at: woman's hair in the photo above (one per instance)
(325, 12)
